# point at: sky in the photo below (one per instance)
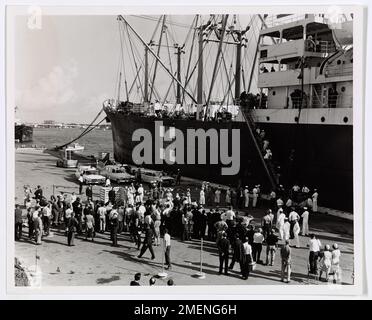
(68, 67)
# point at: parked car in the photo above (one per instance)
(90, 175)
(117, 173)
(152, 176)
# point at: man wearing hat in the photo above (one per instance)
(280, 220)
(228, 196)
(38, 193)
(188, 196)
(202, 197)
(285, 254)
(315, 200)
(305, 222)
(255, 196)
(246, 197)
(293, 217)
(223, 246)
(114, 227)
(141, 192)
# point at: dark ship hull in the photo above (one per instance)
(322, 158)
(23, 133)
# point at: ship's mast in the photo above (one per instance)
(156, 57)
(146, 85)
(238, 67)
(220, 43)
(178, 53)
(200, 67)
(158, 54)
(119, 88)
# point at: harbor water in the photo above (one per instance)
(96, 141)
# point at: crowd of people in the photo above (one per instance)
(155, 216)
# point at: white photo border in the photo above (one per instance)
(195, 292)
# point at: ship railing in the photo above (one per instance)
(274, 21)
(110, 103)
(319, 46)
(297, 102)
(339, 70)
(330, 101)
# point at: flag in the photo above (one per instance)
(37, 257)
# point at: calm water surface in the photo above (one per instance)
(94, 142)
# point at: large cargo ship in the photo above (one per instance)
(298, 128)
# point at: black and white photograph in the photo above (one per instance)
(207, 148)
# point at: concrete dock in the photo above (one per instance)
(98, 263)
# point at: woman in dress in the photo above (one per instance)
(326, 262)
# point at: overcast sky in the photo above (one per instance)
(66, 69)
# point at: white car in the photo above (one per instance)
(90, 175)
(152, 176)
(117, 173)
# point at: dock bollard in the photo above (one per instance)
(162, 274)
(201, 274)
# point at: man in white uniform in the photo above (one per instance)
(280, 223)
(141, 192)
(202, 196)
(286, 229)
(228, 196)
(255, 197)
(246, 197)
(315, 200)
(217, 195)
(305, 222)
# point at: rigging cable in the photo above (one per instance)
(86, 130)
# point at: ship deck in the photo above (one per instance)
(89, 264)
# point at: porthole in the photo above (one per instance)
(274, 93)
(338, 61)
(346, 119)
(322, 119)
(267, 118)
(351, 60)
(343, 89)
